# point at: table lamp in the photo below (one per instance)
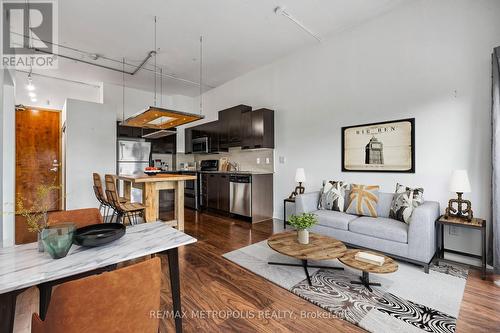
(300, 177)
(460, 184)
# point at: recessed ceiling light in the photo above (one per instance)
(34, 100)
(32, 94)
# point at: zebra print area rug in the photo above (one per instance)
(408, 300)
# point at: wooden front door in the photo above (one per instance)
(38, 150)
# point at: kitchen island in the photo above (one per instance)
(151, 186)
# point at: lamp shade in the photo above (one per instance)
(460, 181)
(300, 175)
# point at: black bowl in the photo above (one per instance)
(98, 234)
(151, 173)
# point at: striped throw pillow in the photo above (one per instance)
(363, 200)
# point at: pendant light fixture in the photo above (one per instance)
(160, 118)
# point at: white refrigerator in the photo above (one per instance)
(133, 157)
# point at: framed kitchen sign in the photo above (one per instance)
(379, 147)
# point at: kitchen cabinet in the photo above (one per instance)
(215, 191)
(238, 126)
(230, 126)
(165, 145)
(258, 129)
(211, 130)
(188, 137)
(128, 131)
(212, 191)
(223, 187)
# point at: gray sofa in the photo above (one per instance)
(413, 243)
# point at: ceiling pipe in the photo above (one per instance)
(282, 11)
(150, 54)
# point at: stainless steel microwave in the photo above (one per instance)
(200, 145)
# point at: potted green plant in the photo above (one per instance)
(302, 223)
(35, 211)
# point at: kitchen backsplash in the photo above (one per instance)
(249, 160)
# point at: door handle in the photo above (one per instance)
(53, 169)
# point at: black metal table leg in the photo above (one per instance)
(364, 279)
(305, 265)
(8, 310)
(173, 266)
(45, 295)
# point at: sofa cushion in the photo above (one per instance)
(384, 204)
(332, 196)
(334, 219)
(405, 201)
(380, 227)
(363, 200)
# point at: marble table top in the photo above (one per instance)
(23, 266)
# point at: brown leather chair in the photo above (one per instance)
(119, 301)
(80, 217)
(129, 210)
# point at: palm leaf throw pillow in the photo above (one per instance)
(405, 200)
(332, 196)
(363, 200)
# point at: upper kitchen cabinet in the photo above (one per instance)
(212, 131)
(128, 131)
(165, 145)
(258, 129)
(230, 126)
(188, 137)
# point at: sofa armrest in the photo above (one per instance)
(307, 202)
(422, 231)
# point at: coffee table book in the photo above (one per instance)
(369, 258)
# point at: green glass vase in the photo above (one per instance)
(57, 239)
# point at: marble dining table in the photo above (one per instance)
(22, 266)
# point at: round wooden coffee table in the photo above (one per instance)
(389, 266)
(319, 248)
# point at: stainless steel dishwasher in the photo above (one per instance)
(240, 195)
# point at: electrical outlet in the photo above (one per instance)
(258, 160)
(454, 230)
(282, 160)
(268, 160)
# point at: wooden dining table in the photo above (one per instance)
(22, 266)
(151, 187)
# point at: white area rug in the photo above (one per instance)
(408, 300)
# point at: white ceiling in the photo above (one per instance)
(239, 35)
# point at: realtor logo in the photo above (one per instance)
(29, 34)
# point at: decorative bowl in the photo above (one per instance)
(58, 238)
(98, 234)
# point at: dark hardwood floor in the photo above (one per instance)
(220, 296)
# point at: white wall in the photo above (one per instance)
(52, 93)
(7, 158)
(89, 146)
(429, 60)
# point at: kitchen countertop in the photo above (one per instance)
(161, 177)
(228, 172)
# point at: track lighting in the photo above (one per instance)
(282, 11)
(30, 86)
